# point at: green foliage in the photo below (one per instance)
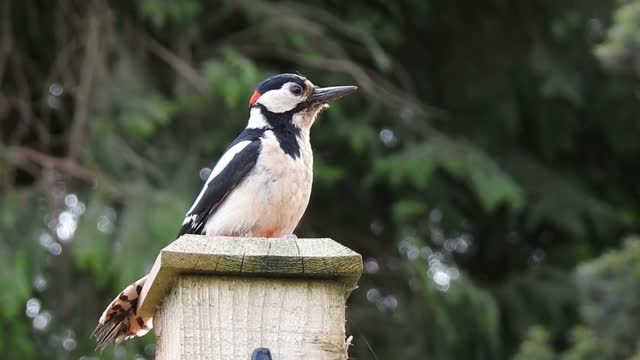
(623, 38)
(608, 288)
(232, 77)
(91, 245)
(418, 162)
(570, 205)
(404, 210)
(149, 229)
(537, 346)
(160, 12)
(608, 309)
(587, 346)
(16, 268)
(143, 117)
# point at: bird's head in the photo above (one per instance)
(290, 98)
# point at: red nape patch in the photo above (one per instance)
(254, 97)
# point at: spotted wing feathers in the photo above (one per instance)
(120, 321)
(232, 168)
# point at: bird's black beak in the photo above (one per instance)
(327, 94)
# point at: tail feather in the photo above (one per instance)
(120, 320)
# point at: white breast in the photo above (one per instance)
(271, 200)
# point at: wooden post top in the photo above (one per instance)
(255, 257)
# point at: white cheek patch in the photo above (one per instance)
(256, 120)
(222, 163)
(279, 101)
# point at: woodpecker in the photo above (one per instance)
(259, 187)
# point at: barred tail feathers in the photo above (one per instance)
(120, 320)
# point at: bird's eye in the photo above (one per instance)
(296, 90)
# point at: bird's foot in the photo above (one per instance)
(289, 236)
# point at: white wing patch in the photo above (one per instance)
(189, 218)
(222, 163)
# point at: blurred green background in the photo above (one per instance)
(488, 170)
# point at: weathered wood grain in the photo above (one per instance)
(225, 317)
(222, 297)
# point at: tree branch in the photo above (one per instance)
(181, 67)
(25, 158)
(6, 43)
(81, 110)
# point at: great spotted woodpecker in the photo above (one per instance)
(259, 187)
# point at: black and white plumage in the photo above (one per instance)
(260, 186)
(234, 165)
(262, 183)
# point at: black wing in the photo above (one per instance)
(217, 188)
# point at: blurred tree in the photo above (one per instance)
(621, 48)
(489, 149)
(608, 288)
(536, 347)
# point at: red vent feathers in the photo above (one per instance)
(254, 97)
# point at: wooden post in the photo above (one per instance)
(223, 297)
